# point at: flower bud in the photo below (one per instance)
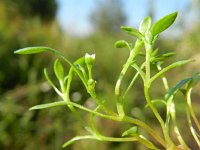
(89, 59)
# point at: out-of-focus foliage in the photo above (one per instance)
(44, 9)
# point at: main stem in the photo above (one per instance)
(119, 101)
(147, 85)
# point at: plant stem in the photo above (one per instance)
(176, 130)
(119, 101)
(147, 84)
(125, 119)
(192, 128)
(188, 96)
(147, 128)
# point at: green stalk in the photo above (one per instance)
(66, 98)
(125, 119)
(147, 128)
(192, 128)
(147, 84)
(119, 102)
(188, 96)
(176, 130)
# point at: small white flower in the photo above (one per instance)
(89, 59)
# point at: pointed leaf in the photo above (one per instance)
(176, 88)
(77, 138)
(132, 31)
(122, 44)
(48, 105)
(176, 64)
(59, 70)
(162, 57)
(51, 83)
(32, 50)
(145, 25)
(131, 131)
(156, 101)
(163, 23)
(194, 81)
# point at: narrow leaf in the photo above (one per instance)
(177, 87)
(122, 44)
(145, 25)
(48, 105)
(51, 83)
(132, 31)
(59, 70)
(156, 101)
(32, 50)
(162, 57)
(131, 131)
(194, 81)
(163, 23)
(176, 64)
(77, 138)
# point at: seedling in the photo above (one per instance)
(146, 37)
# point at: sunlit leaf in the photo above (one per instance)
(161, 57)
(194, 81)
(145, 25)
(59, 70)
(176, 64)
(163, 23)
(32, 50)
(77, 138)
(131, 131)
(122, 44)
(132, 31)
(48, 105)
(156, 101)
(177, 87)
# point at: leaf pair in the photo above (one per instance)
(156, 29)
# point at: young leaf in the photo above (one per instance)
(145, 25)
(122, 44)
(32, 50)
(163, 23)
(161, 57)
(176, 64)
(195, 79)
(131, 131)
(77, 138)
(48, 105)
(51, 83)
(132, 31)
(59, 70)
(176, 88)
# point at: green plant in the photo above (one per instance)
(82, 68)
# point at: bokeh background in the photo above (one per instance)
(75, 27)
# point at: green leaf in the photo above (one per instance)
(145, 25)
(176, 64)
(122, 44)
(77, 138)
(51, 83)
(32, 50)
(161, 57)
(48, 105)
(156, 101)
(194, 81)
(163, 23)
(59, 70)
(173, 91)
(131, 131)
(132, 31)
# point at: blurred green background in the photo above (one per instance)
(26, 23)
